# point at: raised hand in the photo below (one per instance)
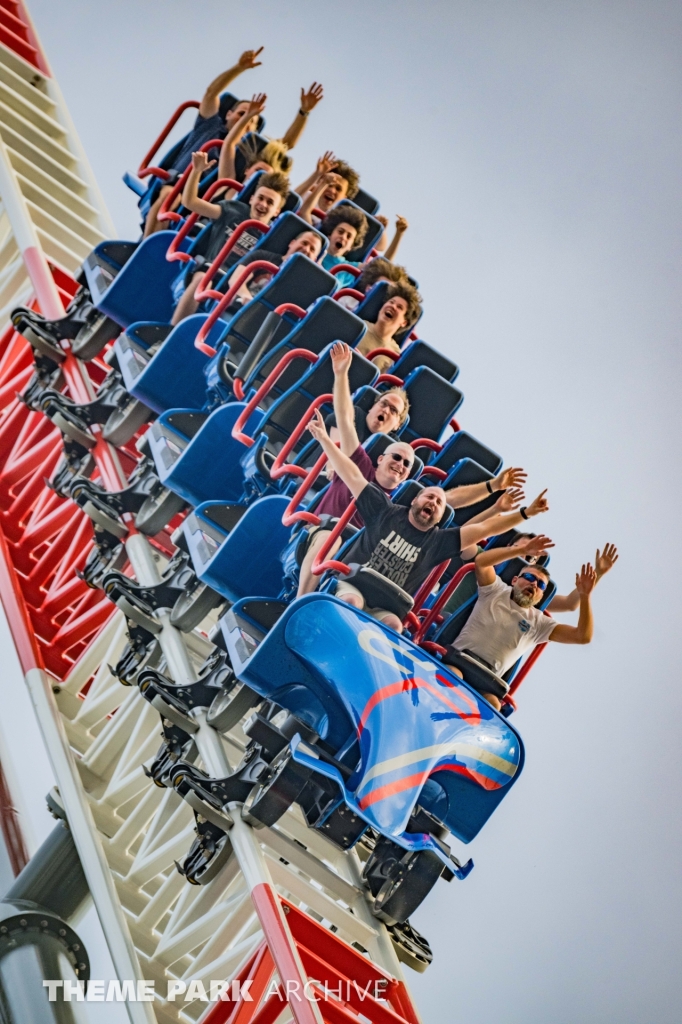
(585, 580)
(605, 560)
(200, 162)
(256, 106)
(317, 427)
(248, 59)
(311, 98)
(539, 505)
(326, 163)
(535, 545)
(382, 220)
(401, 225)
(512, 477)
(510, 500)
(341, 357)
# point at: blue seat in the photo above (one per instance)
(162, 367)
(415, 731)
(282, 417)
(325, 323)
(463, 446)
(130, 281)
(366, 202)
(299, 281)
(433, 403)
(195, 454)
(466, 460)
(236, 550)
(418, 353)
(465, 472)
(177, 375)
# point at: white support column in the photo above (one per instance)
(87, 841)
(27, 239)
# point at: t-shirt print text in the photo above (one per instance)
(394, 557)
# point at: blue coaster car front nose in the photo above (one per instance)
(423, 736)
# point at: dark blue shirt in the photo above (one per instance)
(205, 129)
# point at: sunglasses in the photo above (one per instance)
(399, 458)
(540, 584)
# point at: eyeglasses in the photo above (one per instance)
(540, 584)
(391, 408)
(399, 458)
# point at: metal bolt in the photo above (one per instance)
(285, 908)
(75, 947)
(22, 922)
(81, 967)
(62, 931)
(43, 924)
(3, 930)
(56, 689)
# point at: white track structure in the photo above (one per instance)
(99, 734)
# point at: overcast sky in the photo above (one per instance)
(535, 149)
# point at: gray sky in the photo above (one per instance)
(534, 148)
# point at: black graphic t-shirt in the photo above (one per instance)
(232, 214)
(394, 547)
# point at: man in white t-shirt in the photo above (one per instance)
(505, 623)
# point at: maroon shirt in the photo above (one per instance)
(337, 497)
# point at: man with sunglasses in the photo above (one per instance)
(505, 622)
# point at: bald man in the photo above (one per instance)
(404, 544)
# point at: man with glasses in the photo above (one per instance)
(386, 416)
(505, 622)
(392, 468)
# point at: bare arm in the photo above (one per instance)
(382, 244)
(309, 101)
(341, 357)
(487, 560)
(469, 494)
(341, 464)
(190, 193)
(603, 563)
(243, 291)
(564, 602)
(507, 502)
(311, 200)
(585, 582)
(471, 534)
(401, 227)
(210, 103)
(228, 150)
